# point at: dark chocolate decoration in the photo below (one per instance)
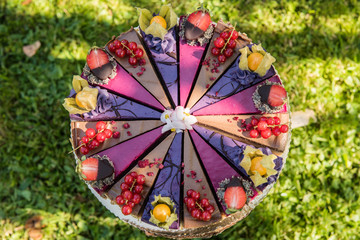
(103, 71)
(264, 92)
(104, 170)
(234, 182)
(192, 32)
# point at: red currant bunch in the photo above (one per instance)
(224, 45)
(266, 126)
(200, 209)
(125, 48)
(131, 189)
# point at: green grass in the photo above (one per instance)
(317, 47)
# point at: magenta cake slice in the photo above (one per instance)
(216, 167)
(195, 179)
(168, 182)
(240, 103)
(126, 85)
(147, 166)
(233, 81)
(112, 107)
(125, 153)
(233, 150)
(164, 54)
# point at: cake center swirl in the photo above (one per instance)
(177, 120)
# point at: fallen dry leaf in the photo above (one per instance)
(31, 49)
(26, 2)
(35, 234)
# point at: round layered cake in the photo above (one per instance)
(180, 126)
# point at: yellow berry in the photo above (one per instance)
(254, 60)
(160, 20)
(161, 212)
(78, 102)
(256, 166)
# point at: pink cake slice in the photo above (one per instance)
(240, 103)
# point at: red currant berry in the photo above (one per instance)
(131, 204)
(284, 128)
(276, 131)
(266, 133)
(101, 137)
(270, 121)
(108, 133)
(219, 42)
(195, 213)
(129, 52)
(228, 52)
(117, 44)
(133, 61)
(124, 42)
(90, 132)
(215, 51)
(189, 192)
(120, 200)
(133, 174)
(254, 121)
(120, 53)
(263, 119)
(132, 46)
(190, 203)
(277, 120)
(231, 44)
(116, 134)
(140, 179)
(136, 198)
(90, 146)
(129, 179)
(111, 47)
(206, 216)
(127, 194)
(249, 127)
(254, 133)
(204, 202)
(100, 125)
(124, 186)
(210, 209)
(234, 35)
(126, 210)
(195, 195)
(262, 125)
(138, 188)
(222, 58)
(95, 143)
(84, 150)
(139, 53)
(225, 35)
(85, 139)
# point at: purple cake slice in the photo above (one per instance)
(216, 167)
(232, 82)
(240, 103)
(168, 182)
(112, 107)
(123, 154)
(233, 150)
(164, 54)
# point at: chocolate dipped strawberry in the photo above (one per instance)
(273, 95)
(98, 62)
(197, 23)
(235, 195)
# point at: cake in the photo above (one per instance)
(180, 126)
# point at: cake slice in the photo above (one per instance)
(126, 130)
(195, 179)
(168, 185)
(144, 74)
(240, 103)
(232, 82)
(155, 158)
(123, 154)
(231, 126)
(211, 68)
(112, 107)
(216, 167)
(233, 150)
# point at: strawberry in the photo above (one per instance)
(274, 95)
(93, 169)
(235, 196)
(197, 23)
(98, 62)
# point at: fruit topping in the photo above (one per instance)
(273, 95)
(200, 209)
(98, 62)
(160, 20)
(224, 45)
(235, 196)
(163, 213)
(197, 23)
(125, 48)
(131, 189)
(254, 60)
(257, 166)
